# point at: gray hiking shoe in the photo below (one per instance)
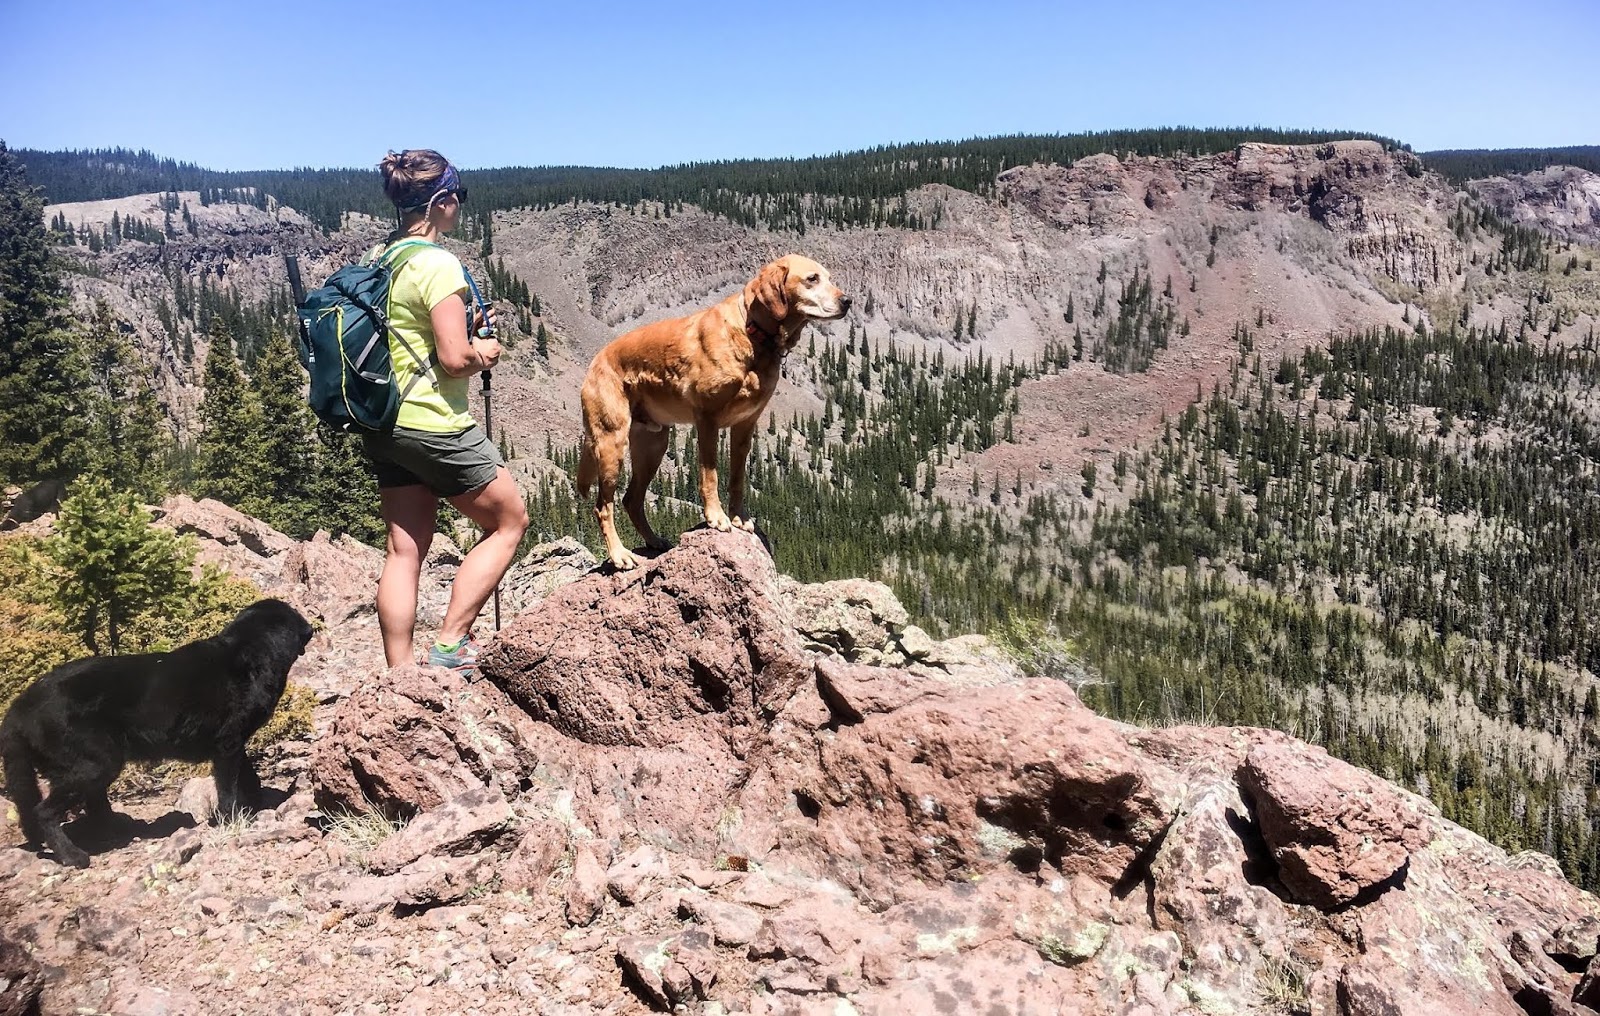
(463, 659)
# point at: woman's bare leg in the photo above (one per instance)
(410, 513)
(498, 509)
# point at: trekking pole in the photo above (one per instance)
(488, 417)
(485, 332)
(297, 289)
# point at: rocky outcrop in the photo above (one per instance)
(1561, 200)
(1330, 181)
(334, 579)
(985, 826)
(244, 546)
(331, 580)
(1373, 200)
(662, 794)
(1017, 773)
(1336, 832)
(417, 737)
(695, 646)
(543, 570)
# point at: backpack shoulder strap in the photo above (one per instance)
(397, 255)
(395, 258)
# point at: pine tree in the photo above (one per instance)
(231, 452)
(281, 494)
(542, 342)
(344, 491)
(114, 562)
(43, 376)
(129, 443)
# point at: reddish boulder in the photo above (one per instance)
(411, 738)
(668, 972)
(586, 892)
(943, 778)
(542, 571)
(694, 644)
(466, 824)
(1335, 830)
(540, 850)
(332, 580)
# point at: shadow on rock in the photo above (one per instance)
(100, 835)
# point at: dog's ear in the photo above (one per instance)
(770, 289)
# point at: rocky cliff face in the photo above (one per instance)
(1373, 203)
(683, 788)
(1563, 200)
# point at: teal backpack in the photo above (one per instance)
(344, 342)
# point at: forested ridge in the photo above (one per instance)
(1460, 165)
(863, 188)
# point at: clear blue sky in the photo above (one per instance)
(295, 83)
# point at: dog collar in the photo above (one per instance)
(752, 329)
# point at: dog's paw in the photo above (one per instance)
(748, 525)
(623, 560)
(658, 543)
(72, 857)
(720, 522)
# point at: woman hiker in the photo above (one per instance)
(436, 450)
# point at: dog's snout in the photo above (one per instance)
(844, 305)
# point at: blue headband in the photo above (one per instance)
(449, 183)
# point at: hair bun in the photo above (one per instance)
(406, 172)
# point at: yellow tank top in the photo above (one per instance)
(437, 402)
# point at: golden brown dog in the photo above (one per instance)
(716, 368)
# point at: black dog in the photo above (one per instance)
(77, 725)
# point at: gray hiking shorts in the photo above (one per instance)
(447, 464)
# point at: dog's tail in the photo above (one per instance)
(22, 781)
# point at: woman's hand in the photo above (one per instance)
(488, 351)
